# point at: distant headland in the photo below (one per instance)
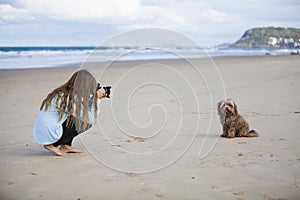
(270, 37)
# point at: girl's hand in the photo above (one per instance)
(101, 93)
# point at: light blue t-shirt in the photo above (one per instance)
(47, 129)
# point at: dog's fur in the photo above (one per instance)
(234, 125)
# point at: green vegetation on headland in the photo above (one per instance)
(270, 37)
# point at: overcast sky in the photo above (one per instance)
(90, 22)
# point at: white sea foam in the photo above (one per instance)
(36, 57)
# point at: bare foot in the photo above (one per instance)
(54, 149)
(63, 149)
(69, 149)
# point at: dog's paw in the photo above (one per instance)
(230, 136)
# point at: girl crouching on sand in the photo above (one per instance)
(68, 111)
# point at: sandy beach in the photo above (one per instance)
(158, 136)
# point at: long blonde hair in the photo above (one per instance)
(80, 90)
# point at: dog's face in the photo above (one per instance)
(227, 107)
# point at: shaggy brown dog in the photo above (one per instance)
(234, 125)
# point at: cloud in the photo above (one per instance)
(173, 14)
(82, 10)
(11, 14)
(123, 14)
(214, 21)
(214, 15)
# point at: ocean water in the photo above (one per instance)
(39, 57)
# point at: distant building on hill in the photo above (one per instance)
(272, 41)
(284, 42)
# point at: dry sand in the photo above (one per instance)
(192, 163)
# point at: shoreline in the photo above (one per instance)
(167, 60)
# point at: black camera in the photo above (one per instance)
(106, 88)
